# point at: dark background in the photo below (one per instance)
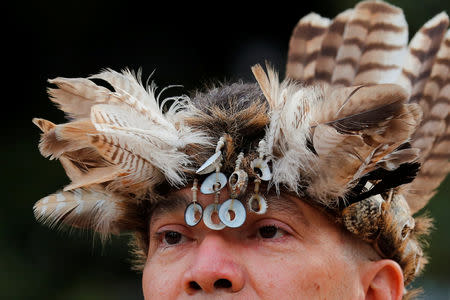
(186, 44)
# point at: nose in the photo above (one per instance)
(215, 269)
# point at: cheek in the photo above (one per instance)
(157, 275)
(304, 275)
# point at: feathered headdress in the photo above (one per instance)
(348, 129)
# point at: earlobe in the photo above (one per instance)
(383, 280)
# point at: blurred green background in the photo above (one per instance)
(186, 44)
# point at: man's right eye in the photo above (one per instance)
(171, 238)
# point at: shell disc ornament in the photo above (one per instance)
(261, 168)
(211, 217)
(193, 214)
(207, 186)
(232, 213)
(238, 182)
(257, 204)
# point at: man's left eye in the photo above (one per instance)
(270, 232)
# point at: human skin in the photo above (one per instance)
(293, 251)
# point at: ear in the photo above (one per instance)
(383, 279)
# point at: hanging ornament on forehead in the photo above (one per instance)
(209, 166)
(238, 179)
(257, 203)
(232, 213)
(260, 166)
(194, 211)
(211, 215)
(212, 185)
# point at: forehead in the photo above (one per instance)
(175, 203)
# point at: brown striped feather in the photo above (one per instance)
(304, 47)
(326, 61)
(436, 85)
(433, 135)
(432, 173)
(384, 47)
(374, 40)
(421, 55)
(132, 155)
(349, 53)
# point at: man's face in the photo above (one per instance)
(291, 252)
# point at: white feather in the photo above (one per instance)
(289, 129)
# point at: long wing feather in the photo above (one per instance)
(421, 55)
(367, 45)
(385, 45)
(304, 46)
(433, 136)
(433, 171)
(332, 41)
(434, 102)
(373, 38)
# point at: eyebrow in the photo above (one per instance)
(173, 202)
(286, 205)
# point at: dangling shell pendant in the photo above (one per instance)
(193, 214)
(238, 182)
(207, 186)
(232, 213)
(261, 168)
(211, 217)
(257, 204)
(211, 164)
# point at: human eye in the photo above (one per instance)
(272, 230)
(170, 238)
